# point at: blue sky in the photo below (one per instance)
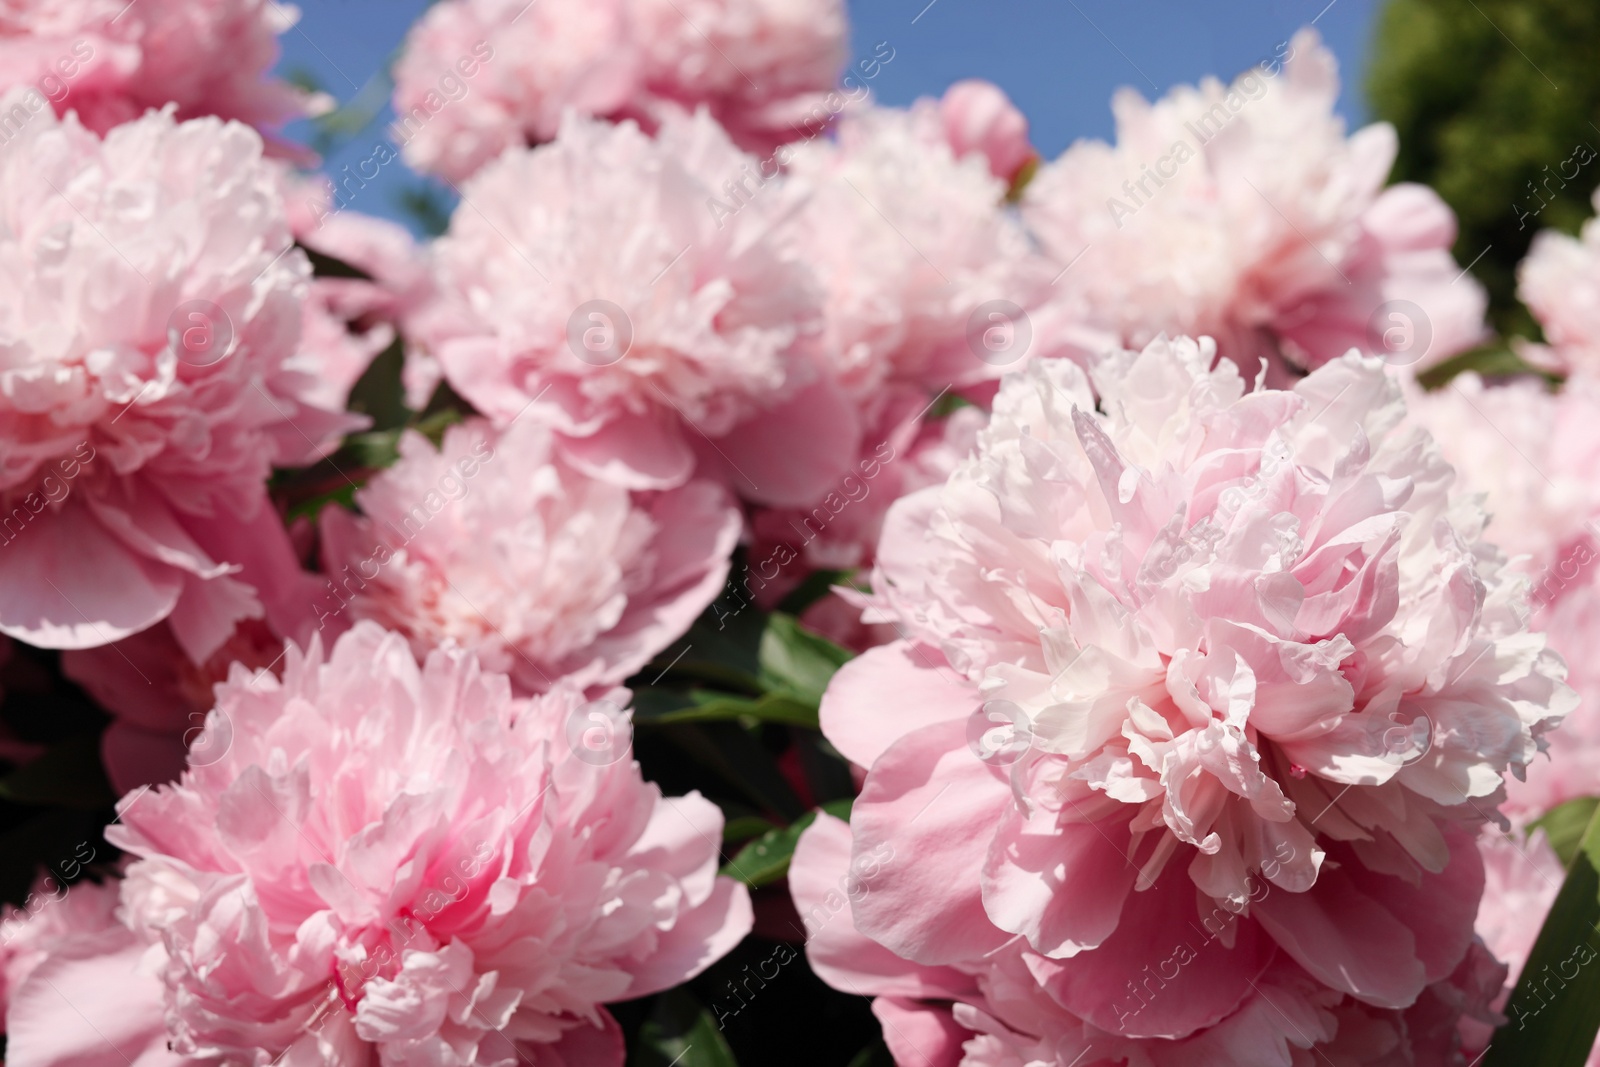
(1060, 60)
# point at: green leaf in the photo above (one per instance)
(744, 827)
(796, 662)
(723, 648)
(378, 393)
(1552, 1013)
(658, 706)
(1564, 826)
(681, 1033)
(1491, 361)
(766, 859)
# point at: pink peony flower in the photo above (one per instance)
(1532, 453)
(394, 864)
(928, 280)
(1571, 767)
(992, 1012)
(587, 283)
(494, 544)
(1189, 657)
(764, 68)
(148, 327)
(159, 696)
(980, 118)
(1244, 213)
(480, 76)
(1560, 283)
(110, 61)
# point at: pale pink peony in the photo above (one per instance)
(110, 60)
(915, 249)
(159, 696)
(979, 117)
(1532, 453)
(992, 1012)
(397, 864)
(1244, 213)
(42, 944)
(149, 323)
(1571, 767)
(1194, 651)
(1560, 283)
(480, 76)
(695, 331)
(764, 68)
(1521, 877)
(493, 544)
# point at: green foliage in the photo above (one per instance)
(1552, 1011)
(681, 1033)
(1488, 97)
(766, 859)
(1564, 826)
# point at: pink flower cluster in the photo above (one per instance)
(543, 572)
(1192, 674)
(389, 861)
(110, 61)
(1244, 213)
(762, 68)
(151, 318)
(1192, 670)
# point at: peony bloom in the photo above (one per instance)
(494, 544)
(1194, 672)
(480, 76)
(110, 61)
(1531, 453)
(1572, 766)
(149, 324)
(394, 864)
(159, 696)
(1243, 212)
(928, 281)
(992, 1012)
(979, 118)
(1560, 283)
(589, 283)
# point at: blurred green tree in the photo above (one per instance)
(1496, 103)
